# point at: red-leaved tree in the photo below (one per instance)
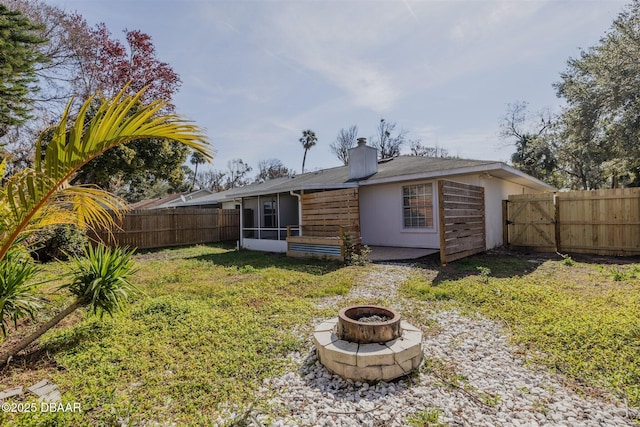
(112, 65)
(86, 59)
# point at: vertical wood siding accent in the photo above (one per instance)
(462, 220)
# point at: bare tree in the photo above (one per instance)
(213, 180)
(387, 144)
(417, 149)
(346, 139)
(272, 168)
(238, 170)
(535, 153)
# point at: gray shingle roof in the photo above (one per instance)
(338, 177)
(402, 168)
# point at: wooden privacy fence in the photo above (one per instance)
(602, 222)
(462, 220)
(161, 228)
(325, 212)
(330, 221)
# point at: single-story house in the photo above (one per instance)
(404, 201)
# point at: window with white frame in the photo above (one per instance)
(417, 206)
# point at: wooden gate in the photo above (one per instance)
(531, 221)
(462, 220)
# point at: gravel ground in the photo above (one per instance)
(471, 376)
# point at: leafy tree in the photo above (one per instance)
(19, 56)
(346, 139)
(417, 149)
(145, 161)
(308, 140)
(272, 168)
(131, 170)
(113, 65)
(535, 153)
(238, 170)
(600, 128)
(84, 60)
(386, 142)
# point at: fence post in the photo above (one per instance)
(556, 218)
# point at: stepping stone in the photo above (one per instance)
(16, 391)
(46, 391)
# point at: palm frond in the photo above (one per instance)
(93, 206)
(101, 278)
(117, 121)
(16, 293)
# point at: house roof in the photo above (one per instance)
(396, 169)
(153, 203)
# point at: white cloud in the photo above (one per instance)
(343, 43)
(488, 19)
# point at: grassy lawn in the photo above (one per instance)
(208, 327)
(211, 323)
(579, 318)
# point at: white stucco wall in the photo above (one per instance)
(381, 212)
(381, 218)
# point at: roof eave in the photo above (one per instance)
(302, 187)
(433, 174)
(533, 183)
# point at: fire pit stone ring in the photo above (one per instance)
(379, 360)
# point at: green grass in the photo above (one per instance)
(426, 418)
(580, 319)
(210, 325)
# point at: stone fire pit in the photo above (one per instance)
(368, 343)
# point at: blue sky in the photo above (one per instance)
(257, 73)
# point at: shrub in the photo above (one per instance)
(57, 242)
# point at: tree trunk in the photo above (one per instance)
(195, 175)
(24, 343)
(304, 159)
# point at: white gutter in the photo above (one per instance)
(299, 210)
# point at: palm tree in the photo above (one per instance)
(100, 281)
(43, 195)
(196, 159)
(308, 140)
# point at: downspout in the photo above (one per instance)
(299, 211)
(240, 242)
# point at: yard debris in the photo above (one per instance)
(16, 391)
(46, 391)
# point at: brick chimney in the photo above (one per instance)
(363, 160)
